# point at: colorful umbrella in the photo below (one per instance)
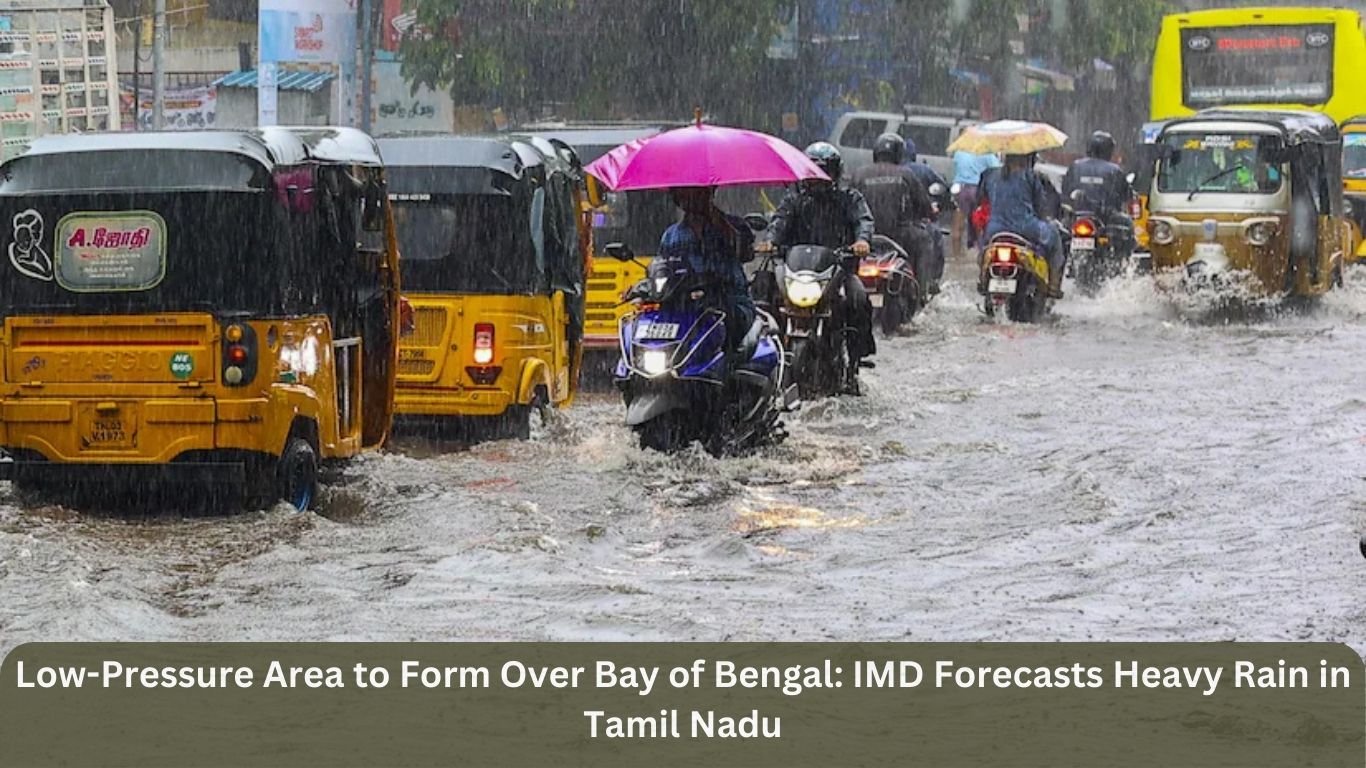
(703, 156)
(1008, 137)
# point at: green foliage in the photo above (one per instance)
(602, 58)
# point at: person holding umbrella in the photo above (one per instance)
(711, 242)
(1021, 200)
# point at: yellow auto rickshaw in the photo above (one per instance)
(1251, 200)
(635, 219)
(495, 239)
(215, 306)
(1354, 183)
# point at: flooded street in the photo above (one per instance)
(1120, 473)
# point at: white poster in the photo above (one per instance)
(397, 109)
(312, 32)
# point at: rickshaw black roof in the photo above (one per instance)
(335, 144)
(593, 142)
(449, 151)
(269, 147)
(1297, 126)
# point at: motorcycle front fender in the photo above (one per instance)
(651, 405)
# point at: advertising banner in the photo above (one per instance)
(186, 108)
(307, 31)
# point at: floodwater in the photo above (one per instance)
(1120, 473)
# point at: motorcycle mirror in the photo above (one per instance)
(1131, 178)
(619, 251)
(936, 189)
(1077, 195)
(956, 190)
(757, 222)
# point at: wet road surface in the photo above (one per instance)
(1120, 473)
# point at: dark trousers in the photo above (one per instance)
(860, 321)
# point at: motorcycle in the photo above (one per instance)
(814, 314)
(678, 382)
(890, 280)
(1015, 278)
(1098, 251)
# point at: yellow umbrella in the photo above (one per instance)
(1008, 137)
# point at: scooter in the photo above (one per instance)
(1015, 278)
(679, 384)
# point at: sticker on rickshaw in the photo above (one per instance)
(1216, 142)
(26, 246)
(182, 365)
(111, 251)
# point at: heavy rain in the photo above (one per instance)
(292, 383)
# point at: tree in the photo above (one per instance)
(598, 57)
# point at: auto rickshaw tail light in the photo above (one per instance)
(239, 355)
(483, 343)
(407, 318)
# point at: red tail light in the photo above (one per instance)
(1084, 228)
(869, 269)
(237, 355)
(407, 318)
(1003, 253)
(483, 343)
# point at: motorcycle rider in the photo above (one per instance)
(710, 241)
(930, 223)
(823, 213)
(1103, 185)
(1024, 203)
(899, 202)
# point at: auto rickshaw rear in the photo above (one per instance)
(1354, 184)
(193, 307)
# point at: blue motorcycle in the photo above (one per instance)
(679, 384)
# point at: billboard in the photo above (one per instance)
(316, 32)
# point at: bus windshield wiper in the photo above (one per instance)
(1201, 186)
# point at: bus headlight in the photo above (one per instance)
(1161, 232)
(804, 293)
(655, 362)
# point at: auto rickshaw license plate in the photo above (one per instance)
(657, 331)
(108, 430)
(999, 285)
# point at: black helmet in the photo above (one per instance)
(1102, 145)
(827, 158)
(889, 148)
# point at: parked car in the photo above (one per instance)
(932, 129)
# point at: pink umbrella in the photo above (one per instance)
(703, 156)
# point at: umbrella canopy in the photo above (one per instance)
(1008, 137)
(703, 156)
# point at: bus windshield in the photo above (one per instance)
(1354, 156)
(469, 244)
(1216, 162)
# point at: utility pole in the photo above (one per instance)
(367, 52)
(159, 65)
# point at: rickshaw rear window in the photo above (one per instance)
(467, 243)
(1354, 155)
(131, 170)
(1216, 162)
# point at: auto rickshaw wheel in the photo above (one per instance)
(297, 474)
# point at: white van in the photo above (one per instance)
(932, 129)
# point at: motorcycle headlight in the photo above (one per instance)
(655, 362)
(804, 293)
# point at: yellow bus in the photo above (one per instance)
(1311, 58)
